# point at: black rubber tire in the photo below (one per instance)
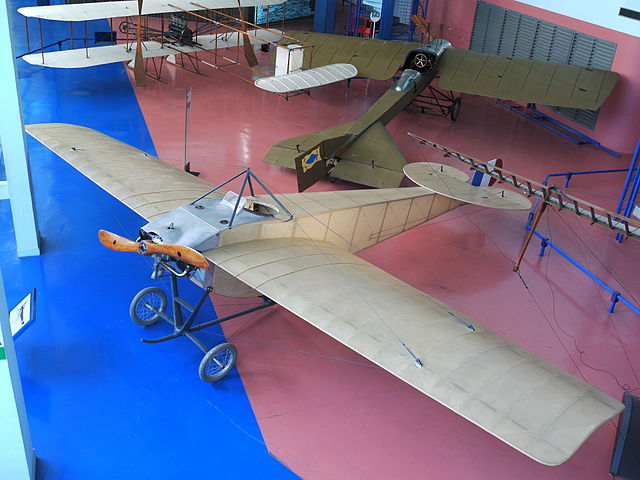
(142, 315)
(217, 362)
(454, 109)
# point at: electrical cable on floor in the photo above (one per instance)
(625, 386)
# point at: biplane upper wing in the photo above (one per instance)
(525, 80)
(377, 59)
(77, 12)
(142, 182)
(520, 398)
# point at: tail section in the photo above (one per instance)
(371, 158)
(481, 179)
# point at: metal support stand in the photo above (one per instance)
(630, 190)
(546, 242)
(555, 126)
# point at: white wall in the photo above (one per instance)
(598, 12)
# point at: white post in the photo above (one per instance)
(17, 458)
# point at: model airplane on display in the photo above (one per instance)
(299, 251)
(363, 151)
(212, 32)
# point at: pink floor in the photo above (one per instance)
(329, 414)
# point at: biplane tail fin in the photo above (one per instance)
(371, 158)
(451, 182)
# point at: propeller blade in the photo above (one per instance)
(138, 69)
(421, 23)
(249, 54)
(179, 252)
(116, 242)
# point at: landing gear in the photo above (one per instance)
(454, 109)
(145, 304)
(150, 305)
(217, 362)
(438, 102)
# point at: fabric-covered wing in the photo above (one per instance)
(377, 59)
(145, 184)
(314, 77)
(520, 398)
(525, 80)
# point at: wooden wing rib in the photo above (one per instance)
(525, 401)
(77, 12)
(525, 80)
(145, 184)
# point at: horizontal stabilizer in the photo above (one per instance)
(451, 182)
(525, 80)
(374, 159)
(315, 77)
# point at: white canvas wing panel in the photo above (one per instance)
(76, 12)
(314, 77)
(145, 184)
(520, 398)
(445, 180)
(81, 57)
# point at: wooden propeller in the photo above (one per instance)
(249, 54)
(421, 23)
(145, 247)
(138, 68)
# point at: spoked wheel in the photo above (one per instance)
(217, 362)
(454, 109)
(420, 62)
(145, 302)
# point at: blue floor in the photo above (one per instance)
(101, 404)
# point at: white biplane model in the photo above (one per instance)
(299, 250)
(215, 30)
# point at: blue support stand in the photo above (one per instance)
(532, 113)
(615, 295)
(386, 20)
(324, 19)
(628, 196)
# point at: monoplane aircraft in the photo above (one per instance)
(363, 152)
(299, 250)
(213, 31)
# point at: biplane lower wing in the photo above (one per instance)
(520, 398)
(122, 52)
(142, 182)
